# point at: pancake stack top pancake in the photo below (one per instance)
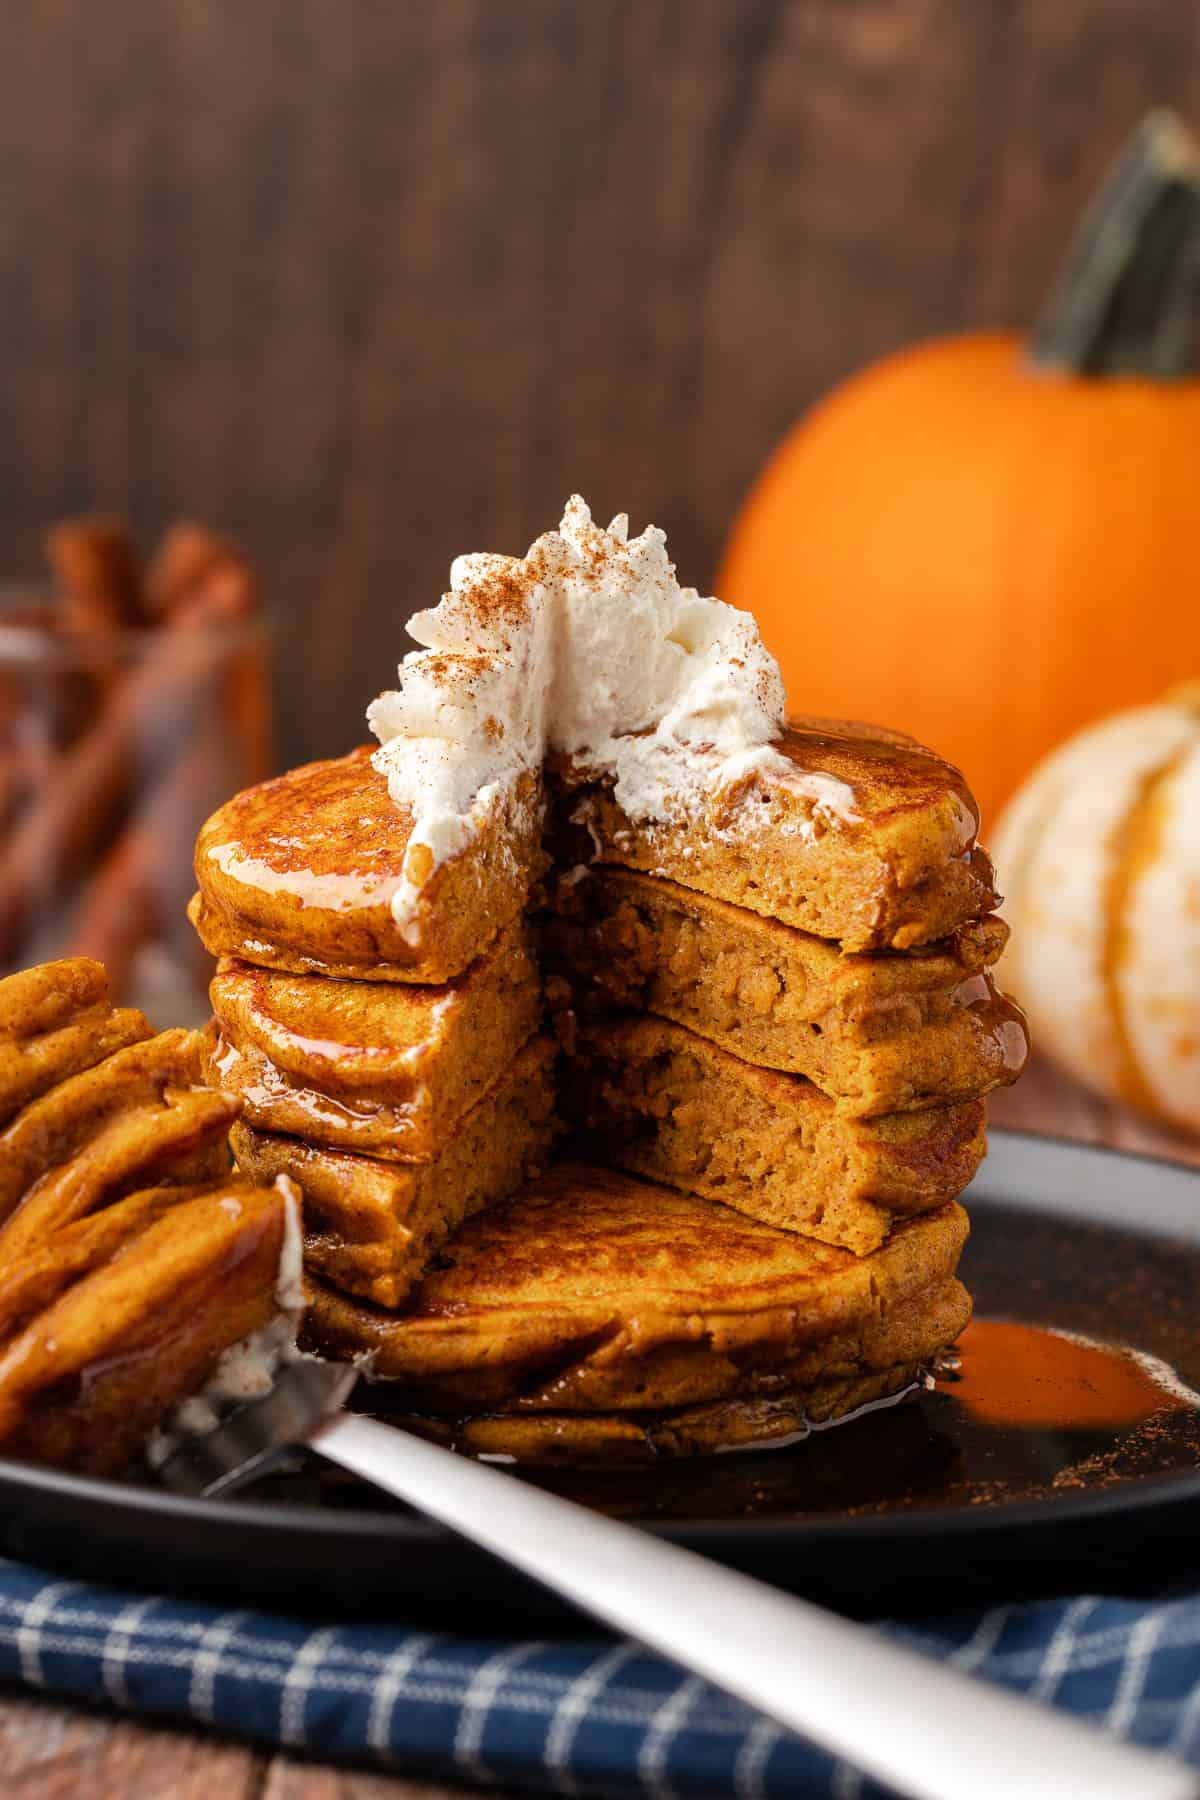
(764, 950)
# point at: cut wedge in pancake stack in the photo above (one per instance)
(135, 1267)
(763, 950)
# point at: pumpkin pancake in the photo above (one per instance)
(106, 1323)
(863, 837)
(595, 1292)
(714, 1428)
(877, 1033)
(371, 1225)
(57, 1020)
(378, 1067)
(299, 874)
(127, 1118)
(131, 1260)
(669, 1105)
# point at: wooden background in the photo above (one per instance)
(369, 282)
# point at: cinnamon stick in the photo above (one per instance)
(97, 570)
(146, 877)
(148, 719)
(150, 746)
(191, 558)
(120, 912)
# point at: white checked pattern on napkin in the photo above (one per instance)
(573, 1716)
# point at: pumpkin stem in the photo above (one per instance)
(1126, 299)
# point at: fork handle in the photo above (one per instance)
(928, 1729)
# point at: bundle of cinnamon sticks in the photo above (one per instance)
(130, 706)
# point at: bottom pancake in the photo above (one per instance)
(595, 1293)
(718, 1428)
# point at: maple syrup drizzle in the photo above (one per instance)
(1034, 1378)
(999, 1016)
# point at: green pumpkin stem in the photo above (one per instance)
(1126, 301)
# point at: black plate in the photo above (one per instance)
(932, 1503)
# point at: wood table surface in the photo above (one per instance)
(50, 1751)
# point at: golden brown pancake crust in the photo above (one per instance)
(55, 1021)
(371, 1225)
(299, 872)
(870, 842)
(129, 1257)
(378, 1067)
(125, 1117)
(592, 1291)
(133, 1307)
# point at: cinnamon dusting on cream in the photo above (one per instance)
(587, 646)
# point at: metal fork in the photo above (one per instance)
(926, 1728)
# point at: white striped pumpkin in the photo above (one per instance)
(1098, 856)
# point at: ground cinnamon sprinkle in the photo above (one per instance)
(501, 597)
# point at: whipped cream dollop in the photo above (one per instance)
(586, 645)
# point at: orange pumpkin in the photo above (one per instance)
(991, 543)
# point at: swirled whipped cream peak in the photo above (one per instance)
(587, 645)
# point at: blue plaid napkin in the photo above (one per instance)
(570, 1717)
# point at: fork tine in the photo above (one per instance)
(253, 1436)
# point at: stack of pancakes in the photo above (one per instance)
(776, 1021)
